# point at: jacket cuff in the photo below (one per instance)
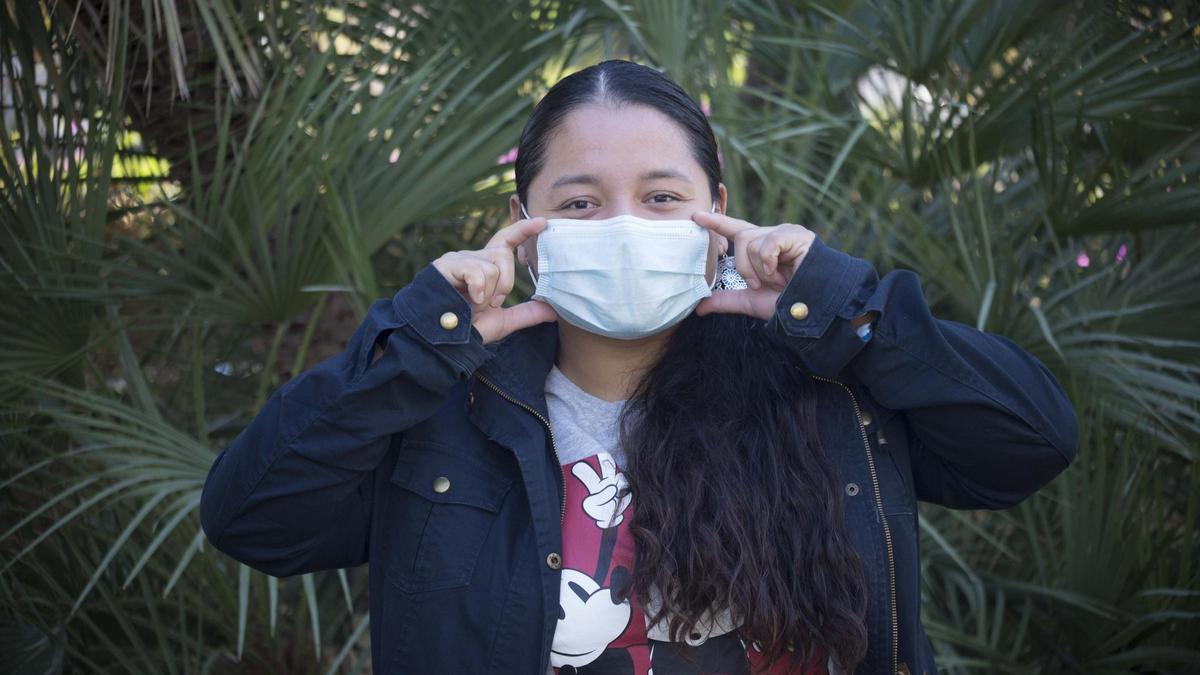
(424, 302)
(817, 308)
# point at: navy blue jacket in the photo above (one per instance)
(339, 467)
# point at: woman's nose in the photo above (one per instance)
(620, 207)
(631, 206)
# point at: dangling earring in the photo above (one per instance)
(728, 278)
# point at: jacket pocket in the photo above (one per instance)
(890, 438)
(442, 507)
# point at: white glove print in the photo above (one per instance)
(602, 502)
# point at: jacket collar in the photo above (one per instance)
(521, 361)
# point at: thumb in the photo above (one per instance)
(524, 315)
(758, 303)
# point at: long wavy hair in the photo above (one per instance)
(737, 506)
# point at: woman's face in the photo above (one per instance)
(604, 161)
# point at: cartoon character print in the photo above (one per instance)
(595, 626)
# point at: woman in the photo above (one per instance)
(630, 471)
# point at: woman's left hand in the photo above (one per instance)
(766, 257)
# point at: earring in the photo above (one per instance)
(728, 278)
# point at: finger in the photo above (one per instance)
(754, 255)
(526, 314)
(623, 503)
(768, 251)
(741, 260)
(765, 258)
(476, 281)
(606, 494)
(607, 468)
(586, 475)
(514, 234)
(491, 272)
(794, 245)
(500, 285)
(464, 275)
(721, 223)
(494, 326)
(756, 303)
(504, 285)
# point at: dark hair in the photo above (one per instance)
(616, 83)
(736, 504)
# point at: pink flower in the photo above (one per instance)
(508, 157)
(1082, 259)
(78, 155)
(1122, 251)
(706, 109)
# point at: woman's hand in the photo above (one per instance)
(485, 277)
(766, 257)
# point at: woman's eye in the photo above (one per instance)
(663, 198)
(578, 204)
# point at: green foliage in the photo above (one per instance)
(1038, 164)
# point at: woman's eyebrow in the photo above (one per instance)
(664, 173)
(577, 179)
(589, 179)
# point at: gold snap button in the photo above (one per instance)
(799, 311)
(554, 561)
(449, 321)
(441, 484)
(867, 419)
(852, 489)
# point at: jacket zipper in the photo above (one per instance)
(562, 513)
(887, 533)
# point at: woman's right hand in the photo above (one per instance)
(485, 278)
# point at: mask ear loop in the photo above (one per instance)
(528, 268)
(717, 267)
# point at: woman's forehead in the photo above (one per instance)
(624, 142)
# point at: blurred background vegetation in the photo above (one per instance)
(200, 199)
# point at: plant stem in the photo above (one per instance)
(264, 379)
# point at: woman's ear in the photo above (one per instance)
(722, 202)
(514, 208)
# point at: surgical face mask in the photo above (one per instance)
(624, 277)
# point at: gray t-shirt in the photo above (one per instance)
(583, 424)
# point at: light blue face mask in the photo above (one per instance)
(624, 277)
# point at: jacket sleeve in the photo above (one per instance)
(292, 492)
(989, 424)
